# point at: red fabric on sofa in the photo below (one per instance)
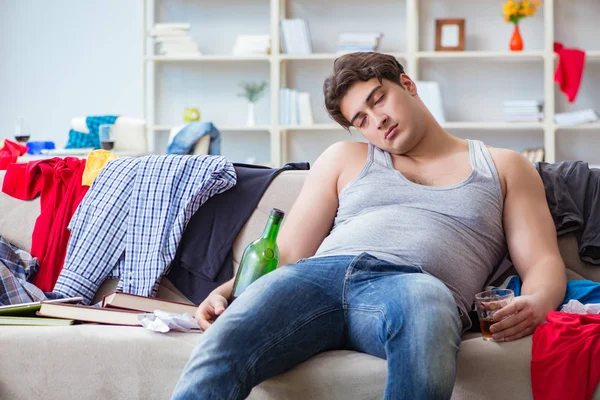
(58, 182)
(565, 362)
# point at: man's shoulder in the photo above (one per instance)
(508, 160)
(341, 162)
(511, 166)
(347, 148)
(345, 154)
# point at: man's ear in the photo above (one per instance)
(408, 84)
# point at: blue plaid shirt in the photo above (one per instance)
(131, 220)
(16, 268)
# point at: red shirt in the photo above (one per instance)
(565, 362)
(58, 182)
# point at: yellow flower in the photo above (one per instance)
(513, 10)
(509, 8)
(525, 9)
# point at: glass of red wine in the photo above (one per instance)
(107, 136)
(21, 130)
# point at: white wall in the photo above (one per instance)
(64, 58)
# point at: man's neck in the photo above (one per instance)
(434, 144)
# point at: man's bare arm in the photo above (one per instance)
(312, 215)
(532, 244)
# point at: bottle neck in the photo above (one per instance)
(272, 229)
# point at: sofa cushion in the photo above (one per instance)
(91, 362)
(17, 218)
(569, 249)
(104, 362)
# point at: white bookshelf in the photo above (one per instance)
(223, 128)
(412, 53)
(322, 56)
(493, 55)
(207, 58)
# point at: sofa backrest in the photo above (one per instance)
(17, 219)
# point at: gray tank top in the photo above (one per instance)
(454, 233)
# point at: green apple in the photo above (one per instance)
(191, 115)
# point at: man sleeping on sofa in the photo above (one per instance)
(384, 250)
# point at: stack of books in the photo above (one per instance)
(295, 36)
(351, 42)
(252, 45)
(576, 117)
(534, 155)
(117, 309)
(173, 39)
(523, 110)
(295, 107)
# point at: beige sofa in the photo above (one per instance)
(109, 362)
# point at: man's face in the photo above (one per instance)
(385, 113)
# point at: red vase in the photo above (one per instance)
(516, 41)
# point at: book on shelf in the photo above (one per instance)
(524, 103)
(98, 315)
(184, 26)
(35, 321)
(295, 36)
(30, 308)
(576, 117)
(350, 42)
(164, 33)
(523, 110)
(252, 44)
(132, 302)
(295, 107)
(305, 109)
(174, 40)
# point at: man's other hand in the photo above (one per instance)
(519, 318)
(210, 309)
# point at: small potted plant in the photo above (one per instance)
(514, 11)
(252, 92)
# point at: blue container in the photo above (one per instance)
(37, 147)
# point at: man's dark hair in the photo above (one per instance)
(354, 67)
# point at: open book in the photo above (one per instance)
(134, 302)
(89, 314)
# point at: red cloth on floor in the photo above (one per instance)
(10, 152)
(569, 70)
(58, 182)
(565, 362)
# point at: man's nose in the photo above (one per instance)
(383, 120)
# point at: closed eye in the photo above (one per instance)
(380, 98)
(362, 122)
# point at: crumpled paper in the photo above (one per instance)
(163, 321)
(576, 307)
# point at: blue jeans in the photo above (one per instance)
(360, 303)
